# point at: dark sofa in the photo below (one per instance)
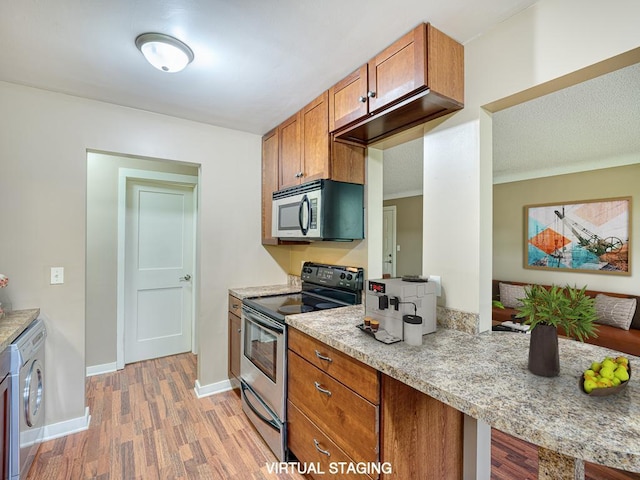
(627, 341)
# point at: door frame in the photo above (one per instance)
(394, 241)
(125, 175)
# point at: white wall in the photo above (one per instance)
(550, 39)
(43, 170)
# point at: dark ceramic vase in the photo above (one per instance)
(544, 359)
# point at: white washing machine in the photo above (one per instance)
(28, 394)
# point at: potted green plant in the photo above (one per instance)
(546, 310)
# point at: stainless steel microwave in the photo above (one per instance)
(319, 210)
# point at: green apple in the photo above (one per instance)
(616, 381)
(590, 373)
(595, 366)
(622, 361)
(622, 374)
(589, 385)
(608, 362)
(606, 372)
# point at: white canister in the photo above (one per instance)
(412, 329)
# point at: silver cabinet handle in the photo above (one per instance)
(235, 306)
(239, 331)
(322, 357)
(186, 278)
(371, 94)
(363, 99)
(324, 452)
(322, 390)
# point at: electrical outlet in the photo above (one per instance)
(57, 275)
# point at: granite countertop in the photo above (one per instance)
(486, 377)
(12, 325)
(247, 292)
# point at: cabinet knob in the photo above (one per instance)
(363, 99)
(371, 94)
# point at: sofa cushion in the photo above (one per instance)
(510, 295)
(614, 311)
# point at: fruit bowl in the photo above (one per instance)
(604, 392)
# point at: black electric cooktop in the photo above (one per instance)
(323, 287)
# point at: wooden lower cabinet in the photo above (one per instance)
(234, 326)
(341, 410)
(330, 418)
(349, 419)
(421, 436)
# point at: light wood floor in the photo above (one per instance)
(146, 423)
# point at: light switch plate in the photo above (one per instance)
(438, 281)
(57, 275)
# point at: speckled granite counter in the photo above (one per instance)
(486, 377)
(247, 292)
(14, 324)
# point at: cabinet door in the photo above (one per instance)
(290, 156)
(399, 70)
(315, 139)
(433, 431)
(269, 183)
(234, 345)
(348, 99)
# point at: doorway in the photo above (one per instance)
(389, 242)
(105, 207)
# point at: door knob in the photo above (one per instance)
(186, 278)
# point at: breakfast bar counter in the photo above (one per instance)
(485, 376)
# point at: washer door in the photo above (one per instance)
(33, 391)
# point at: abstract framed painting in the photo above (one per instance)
(586, 236)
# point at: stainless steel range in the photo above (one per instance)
(263, 365)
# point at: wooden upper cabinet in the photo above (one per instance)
(315, 140)
(270, 153)
(398, 71)
(348, 99)
(289, 133)
(418, 78)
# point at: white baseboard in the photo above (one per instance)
(62, 429)
(213, 388)
(100, 369)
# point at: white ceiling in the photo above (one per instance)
(256, 61)
(594, 124)
(591, 125)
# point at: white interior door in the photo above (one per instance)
(158, 269)
(389, 241)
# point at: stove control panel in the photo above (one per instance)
(348, 278)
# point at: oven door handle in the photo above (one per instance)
(269, 421)
(304, 228)
(263, 322)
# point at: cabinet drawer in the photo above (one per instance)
(361, 378)
(310, 445)
(350, 420)
(235, 305)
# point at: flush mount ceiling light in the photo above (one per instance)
(164, 52)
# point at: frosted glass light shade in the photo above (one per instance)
(166, 53)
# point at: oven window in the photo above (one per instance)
(260, 347)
